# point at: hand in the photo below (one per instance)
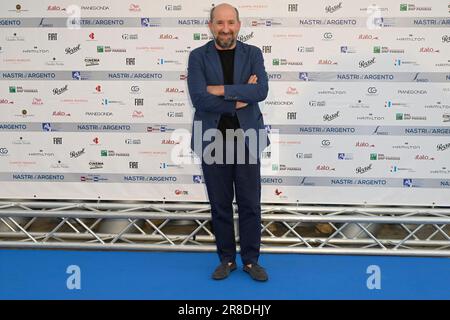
(216, 90)
(253, 79)
(240, 105)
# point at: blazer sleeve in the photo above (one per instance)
(251, 93)
(201, 99)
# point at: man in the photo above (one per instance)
(226, 80)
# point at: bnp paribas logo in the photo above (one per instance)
(403, 7)
(373, 156)
(201, 36)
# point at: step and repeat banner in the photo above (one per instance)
(93, 99)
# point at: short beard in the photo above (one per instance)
(225, 44)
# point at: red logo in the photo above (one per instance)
(134, 7)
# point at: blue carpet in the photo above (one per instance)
(42, 274)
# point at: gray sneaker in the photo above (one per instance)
(257, 272)
(223, 270)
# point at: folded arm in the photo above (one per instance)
(250, 92)
(202, 100)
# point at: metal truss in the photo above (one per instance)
(318, 229)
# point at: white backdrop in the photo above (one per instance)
(91, 94)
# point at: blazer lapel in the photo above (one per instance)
(214, 61)
(239, 58)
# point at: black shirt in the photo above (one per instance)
(227, 121)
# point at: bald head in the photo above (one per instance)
(224, 26)
(223, 7)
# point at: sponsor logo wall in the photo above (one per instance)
(93, 96)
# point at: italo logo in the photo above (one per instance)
(367, 37)
(55, 8)
(362, 144)
(327, 62)
(169, 141)
(323, 167)
(174, 90)
(428, 50)
(60, 114)
(168, 37)
(423, 157)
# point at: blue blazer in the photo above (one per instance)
(204, 68)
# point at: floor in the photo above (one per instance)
(56, 274)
